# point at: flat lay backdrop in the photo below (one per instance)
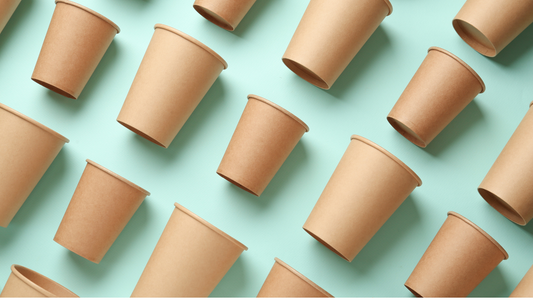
(451, 167)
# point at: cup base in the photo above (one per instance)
(407, 132)
(54, 88)
(213, 17)
(413, 291)
(473, 37)
(142, 134)
(502, 207)
(326, 244)
(239, 185)
(305, 73)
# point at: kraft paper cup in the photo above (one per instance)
(189, 260)
(508, 185)
(441, 88)
(265, 136)
(226, 14)
(7, 8)
(525, 287)
(27, 149)
(76, 41)
(175, 74)
(488, 26)
(366, 188)
(460, 256)
(284, 281)
(101, 206)
(329, 36)
(23, 282)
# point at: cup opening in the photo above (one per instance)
(238, 184)
(305, 73)
(326, 244)
(54, 88)
(213, 17)
(413, 291)
(473, 37)
(501, 206)
(142, 134)
(407, 132)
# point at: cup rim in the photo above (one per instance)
(301, 276)
(210, 226)
(389, 5)
(32, 121)
(69, 2)
(117, 176)
(483, 88)
(15, 269)
(485, 234)
(193, 40)
(283, 110)
(390, 155)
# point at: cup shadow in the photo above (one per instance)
(516, 49)
(12, 25)
(364, 59)
(470, 115)
(494, 285)
(253, 14)
(196, 122)
(234, 282)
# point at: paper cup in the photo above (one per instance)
(189, 260)
(7, 8)
(368, 185)
(525, 287)
(460, 256)
(265, 136)
(488, 26)
(27, 149)
(441, 88)
(101, 206)
(23, 282)
(76, 41)
(329, 36)
(508, 185)
(226, 14)
(175, 74)
(284, 281)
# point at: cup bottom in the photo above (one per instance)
(213, 17)
(413, 291)
(54, 88)
(473, 37)
(142, 134)
(407, 132)
(501, 206)
(239, 185)
(305, 73)
(326, 244)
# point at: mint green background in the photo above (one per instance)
(451, 167)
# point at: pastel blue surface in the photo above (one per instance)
(451, 167)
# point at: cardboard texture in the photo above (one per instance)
(175, 74)
(265, 136)
(329, 36)
(460, 256)
(441, 88)
(102, 205)
(367, 186)
(488, 26)
(76, 41)
(23, 282)
(284, 281)
(507, 186)
(525, 287)
(226, 14)
(27, 149)
(7, 8)
(189, 260)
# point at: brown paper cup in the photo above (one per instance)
(508, 185)
(23, 282)
(189, 260)
(284, 281)
(76, 41)
(525, 287)
(441, 88)
(490, 25)
(175, 74)
(460, 256)
(27, 149)
(264, 138)
(368, 185)
(7, 8)
(329, 36)
(101, 206)
(223, 13)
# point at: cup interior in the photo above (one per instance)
(501, 206)
(474, 37)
